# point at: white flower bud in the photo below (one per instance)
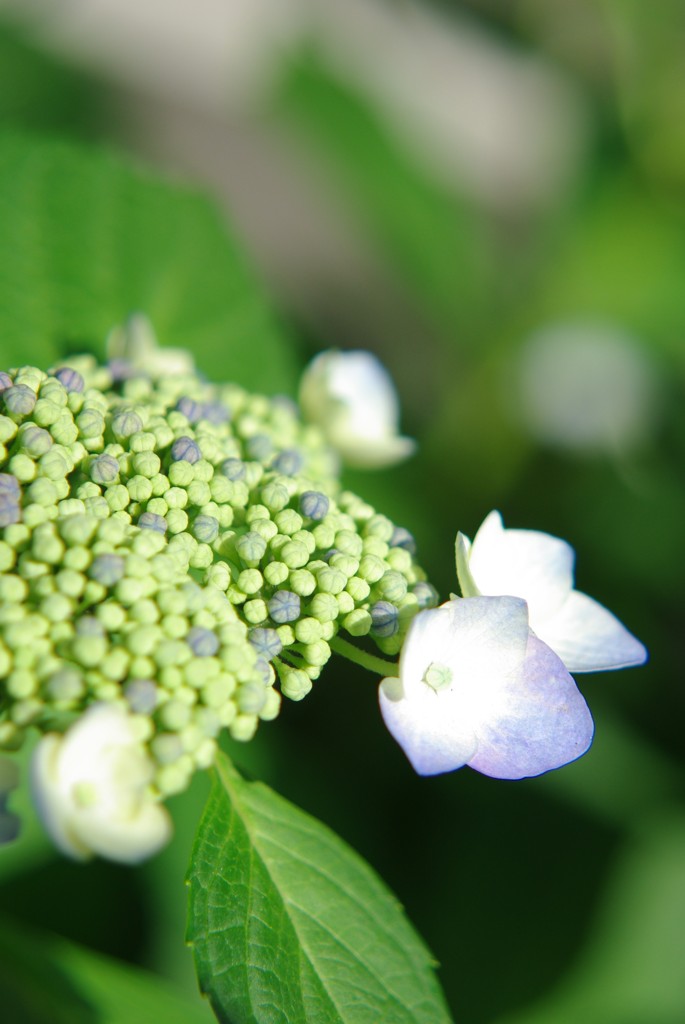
(91, 788)
(351, 397)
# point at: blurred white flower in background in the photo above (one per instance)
(477, 687)
(539, 568)
(588, 387)
(351, 397)
(135, 343)
(92, 791)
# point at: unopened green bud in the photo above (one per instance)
(8, 429)
(90, 423)
(243, 727)
(294, 554)
(65, 685)
(23, 467)
(316, 654)
(348, 543)
(307, 630)
(176, 497)
(139, 488)
(181, 473)
(199, 493)
(251, 548)
(392, 586)
(371, 568)
(302, 582)
(47, 548)
(275, 495)
(34, 441)
(21, 683)
(250, 581)
(276, 573)
(255, 611)
(272, 705)
(143, 441)
(7, 556)
(358, 622)
(54, 464)
(177, 521)
(64, 430)
(295, 683)
(13, 589)
(88, 650)
(331, 581)
(175, 714)
(288, 521)
(70, 583)
(399, 560)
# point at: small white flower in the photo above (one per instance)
(539, 568)
(135, 342)
(9, 780)
(477, 687)
(351, 397)
(91, 787)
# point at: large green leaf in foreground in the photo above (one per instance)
(289, 925)
(86, 239)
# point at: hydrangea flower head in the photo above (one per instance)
(539, 568)
(351, 397)
(477, 687)
(92, 789)
(180, 550)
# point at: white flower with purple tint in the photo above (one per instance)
(92, 789)
(539, 568)
(477, 687)
(351, 397)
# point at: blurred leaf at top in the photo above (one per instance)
(88, 239)
(434, 242)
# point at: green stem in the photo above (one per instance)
(368, 661)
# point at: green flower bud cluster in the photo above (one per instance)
(94, 609)
(176, 545)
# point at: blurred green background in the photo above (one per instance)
(490, 195)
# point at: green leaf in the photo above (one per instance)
(289, 925)
(87, 239)
(45, 980)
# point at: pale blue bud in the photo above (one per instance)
(314, 505)
(384, 619)
(203, 642)
(191, 409)
(259, 447)
(205, 529)
(284, 606)
(425, 594)
(19, 399)
(402, 538)
(104, 469)
(141, 695)
(107, 569)
(152, 521)
(234, 469)
(184, 449)
(266, 641)
(70, 379)
(126, 422)
(289, 462)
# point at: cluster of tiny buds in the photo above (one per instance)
(181, 549)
